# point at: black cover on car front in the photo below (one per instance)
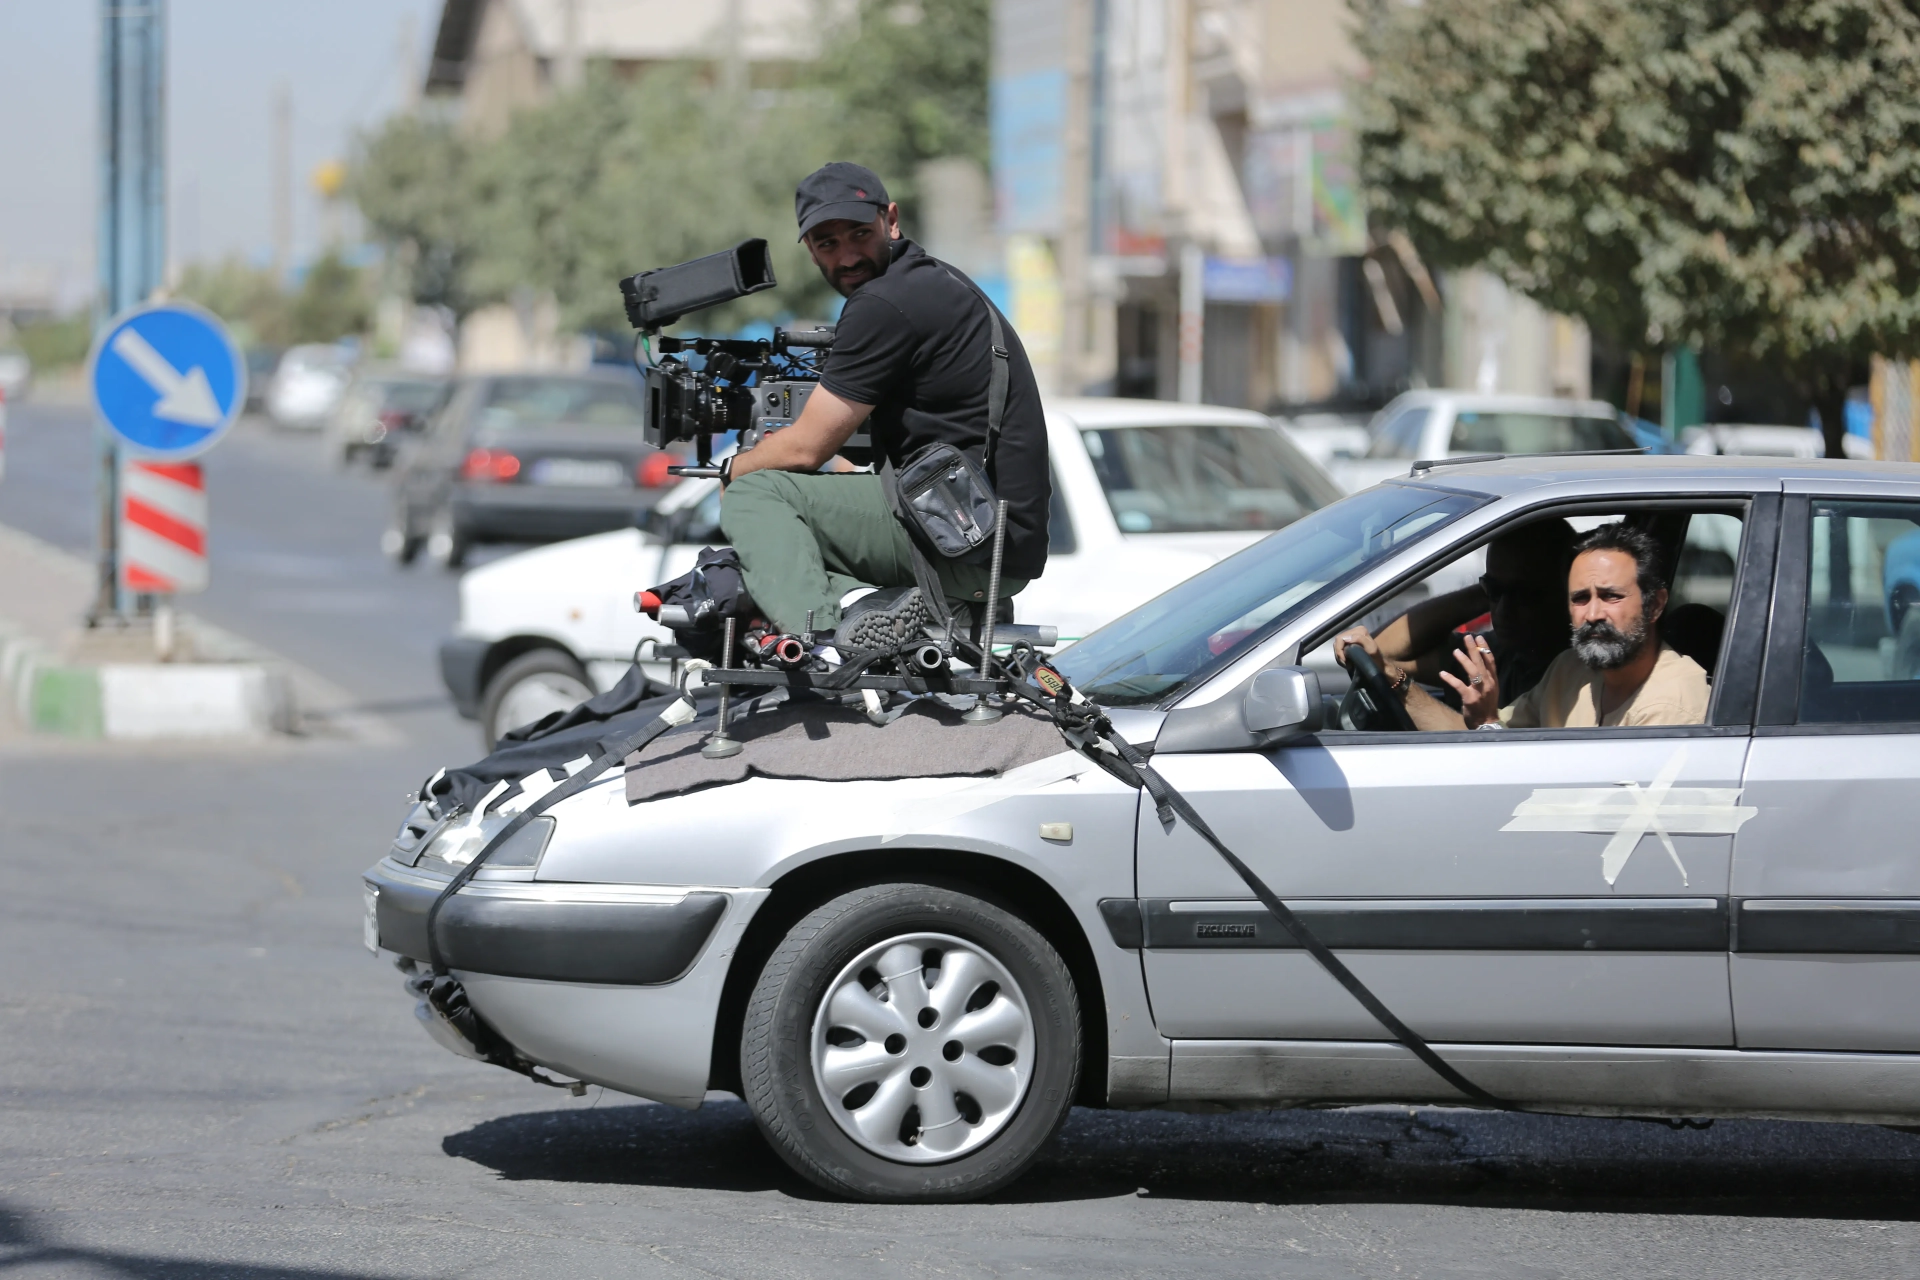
(555, 739)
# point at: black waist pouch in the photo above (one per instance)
(946, 497)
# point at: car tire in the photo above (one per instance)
(447, 542)
(532, 685)
(992, 1048)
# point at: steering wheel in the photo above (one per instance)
(1372, 699)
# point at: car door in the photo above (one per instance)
(1826, 944)
(1532, 886)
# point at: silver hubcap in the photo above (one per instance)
(536, 696)
(923, 1048)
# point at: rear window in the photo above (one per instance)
(534, 402)
(1204, 479)
(1536, 433)
(409, 397)
(1400, 436)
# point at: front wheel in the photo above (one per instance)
(907, 1042)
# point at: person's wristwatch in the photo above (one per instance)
(726, 470)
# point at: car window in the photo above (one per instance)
(1060, 536)
(1709, 555)
(1191, 478)
(408, 397)
(515, 403)
(1475, 432)
(455, 412)
(1399, 436)
(1213, 617)
(1861, 660)
(1450, 601)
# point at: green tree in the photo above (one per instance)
(907, 82)
(57, 342)
(248, 298)
(1735, 174)
(616, 178)
(332, 302)
(411, 179)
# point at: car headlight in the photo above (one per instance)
(456, 846)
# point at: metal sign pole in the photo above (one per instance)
(132, 232)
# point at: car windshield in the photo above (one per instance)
(1194, 478)
(1214, 616)
(535, 402)
(1535, 433)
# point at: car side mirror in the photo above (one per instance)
(1280, 702)
(1277, 704)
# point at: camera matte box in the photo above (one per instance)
(661, 296)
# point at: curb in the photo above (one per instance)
(125, 701)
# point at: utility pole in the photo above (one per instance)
(1076, 198)
(733, 49)
(132, 249)
(282, 182)
(409, 66)
(571, 66)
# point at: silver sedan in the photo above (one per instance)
(910, 981)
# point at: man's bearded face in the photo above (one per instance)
(1603, 647)
(851, 253)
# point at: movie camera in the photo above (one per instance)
(748, 386)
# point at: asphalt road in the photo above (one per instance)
(203, 1074)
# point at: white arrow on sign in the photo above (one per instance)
(184, 397)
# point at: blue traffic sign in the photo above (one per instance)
(167, 380)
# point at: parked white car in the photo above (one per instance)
(16, 373)
(1435, 424)
(1329, 437)
(1748, 440)
(307, 385)
(1145, 494)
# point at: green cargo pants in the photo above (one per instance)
(808, 539)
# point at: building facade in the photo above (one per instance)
(1176, 193)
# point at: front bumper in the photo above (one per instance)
(609, 934)
(527, 513)
(654, 1041)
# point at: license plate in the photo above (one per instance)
(579, 473)
(370, 923)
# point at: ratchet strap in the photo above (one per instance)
(444, 991)
(611, 752)
(1086, 726)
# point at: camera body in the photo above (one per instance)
(750, 386)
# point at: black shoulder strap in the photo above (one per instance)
(996, 377)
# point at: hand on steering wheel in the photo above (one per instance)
(1384, 680)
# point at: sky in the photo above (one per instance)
(340, 60)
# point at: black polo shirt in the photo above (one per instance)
(916, 344)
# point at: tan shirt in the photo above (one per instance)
(1566, 697)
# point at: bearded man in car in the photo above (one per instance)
(1618, 672)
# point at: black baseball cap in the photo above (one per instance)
(839, 190)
